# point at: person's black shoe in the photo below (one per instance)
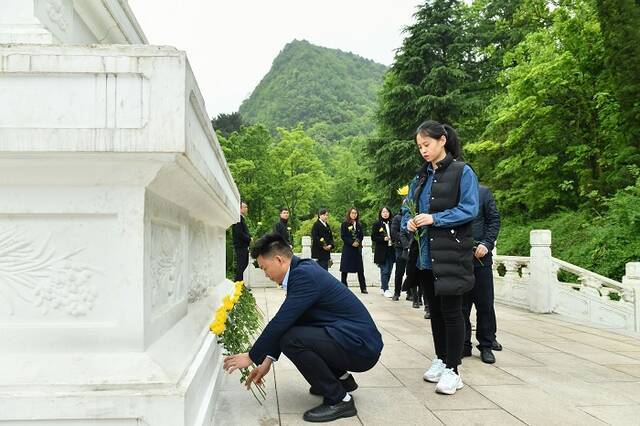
(466, 352)
(487, 356)
(327, 413)
(409, 297)
(364, 291)
(349, 384)
(496, 346)
(416, 305)
(395, 298)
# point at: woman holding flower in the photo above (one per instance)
(384, 255)
(351, 260)
(442, 203)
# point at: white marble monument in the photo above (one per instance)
(114, 200)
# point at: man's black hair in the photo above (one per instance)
(271, 244)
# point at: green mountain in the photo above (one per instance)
(331, 91)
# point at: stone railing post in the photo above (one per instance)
(632, 279)
(542, 281)
(371, 270)
(306, 247)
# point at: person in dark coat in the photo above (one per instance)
(384, 255)
(282, 226)
(486, 227)
(321, 327)
(401, 247)
(442, 203)
(322, 240)
(352, 234)
(241, 240)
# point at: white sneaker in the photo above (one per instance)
(382, 292)
(449, 383)
(388, 294)
(434, 372)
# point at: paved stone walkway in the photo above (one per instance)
(551, 371)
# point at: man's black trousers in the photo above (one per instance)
(321, 360)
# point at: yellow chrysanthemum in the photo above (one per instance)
(322, 239)
(381, 230)
(217, 328)
(221, 315)
(350, 228)
(404, 191)
(227, 303)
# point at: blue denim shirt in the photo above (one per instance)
(465, 211)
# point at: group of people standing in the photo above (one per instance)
(441, 240)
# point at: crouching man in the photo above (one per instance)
(322, 327)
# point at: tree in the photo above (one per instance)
(299, 177)
(227, 123)
(620, 24)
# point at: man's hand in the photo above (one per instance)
(234, 362)
(327, 247)
(258, 373)
(481, 251)
(355, 244)
(386, 238)
(423, 219)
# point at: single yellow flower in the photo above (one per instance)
(381, 230)
(350, 228)
(217, 329)
(404, 191)
(227, 303)
(259, 223)
(221, 315)
(322, 239)
(288, 228)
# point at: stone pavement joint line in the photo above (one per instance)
(551, 371)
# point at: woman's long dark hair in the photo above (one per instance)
(435, 130)
(348, 215)
(380, 214)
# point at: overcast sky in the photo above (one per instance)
(232, 43)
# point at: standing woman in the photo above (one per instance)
(445, 195)
(384, 255)
(351, 260)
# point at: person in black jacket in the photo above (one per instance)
(352, 234)
(282, 226)
(401, 243)
(384, 255)
(322, 240)
(241, 240)
(485, 232)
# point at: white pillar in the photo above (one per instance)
(632, 279)
(542, 281)
(306, 247)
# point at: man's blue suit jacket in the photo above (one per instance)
(316, 299)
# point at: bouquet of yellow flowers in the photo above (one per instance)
(235, 323)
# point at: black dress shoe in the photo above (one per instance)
(487, 356)
(496, 346)
(409, 297)
(327, 413)
(466, 352)
(395, 298)
(363, 291)
(349, 384)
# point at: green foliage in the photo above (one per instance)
(227, 123)
(602, 240)
(313, 85)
